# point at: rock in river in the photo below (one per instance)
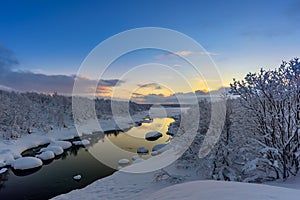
(154, 135)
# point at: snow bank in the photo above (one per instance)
(3, 170)
(2, 164)
(12, 149)
(123, 162)
(138, 160)
(57, 150)
(27, 163)
(142, 150)
(46, 155)
(135, 157)
(224, 190)
(81, 142)
(152, 136)
(158, 147)
(62, 144)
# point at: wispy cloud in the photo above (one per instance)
(186, 53)
(186, 98)
(177, 65)
(153, 86)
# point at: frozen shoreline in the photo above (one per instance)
(10, 150)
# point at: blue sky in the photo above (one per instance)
(54, 37)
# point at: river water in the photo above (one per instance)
(56, 177)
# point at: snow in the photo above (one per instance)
(215, 190)
(135, 157)
(82, 142)
(77, 177)
(46, 155)
(123, 161)
(10, 150)
(62, 144)
(138, 160)
(154, 135)
(3, 170)
(142, 150)
(27, 163)
(57, 150)
(158, 147)
(141, 186)
(2, 164)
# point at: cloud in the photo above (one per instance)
(186, 53)
(7, 60)
(184, 98)
(38, 82)
(177, 65)
(153, 86)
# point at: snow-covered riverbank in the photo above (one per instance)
(10, 150)
(125, 186)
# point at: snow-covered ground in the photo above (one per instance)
(10, 150)
(191, 185)
(125, 186)
(120, 185)
(216, 190)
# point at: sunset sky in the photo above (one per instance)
(50, 39)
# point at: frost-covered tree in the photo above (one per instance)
(25, 113)
(272, 99)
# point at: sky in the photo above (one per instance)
(47, 41)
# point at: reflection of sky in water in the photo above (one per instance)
(124, 145)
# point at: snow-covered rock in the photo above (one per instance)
(137, 123)
(170, 133)
(124, 161)
(148, 120)
(138, 160)
(135, 157)
(152, 136)
(26, 163)
(142, 150)
(57, 150)
(3, 170)
(81, 142)
(62, 144)
(2, 164)
(77, 177)
(157, 147)
(46, 155)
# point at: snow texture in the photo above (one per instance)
(27, 163)
(3, 170)
(77, 177)
(142, 150)
(158, 147)
(81, 142)
(46, 155)
(57, 150)
(124, 161)
(216, 190)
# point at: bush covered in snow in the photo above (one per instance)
(261, 133)
(23, 113)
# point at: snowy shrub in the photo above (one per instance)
(273, 100)
(25, 113)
